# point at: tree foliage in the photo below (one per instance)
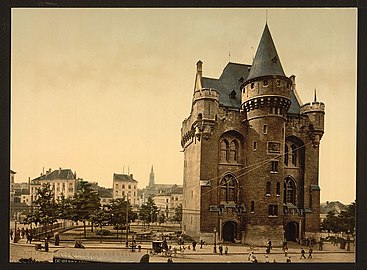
(84, 203)
(149, 211)
(344, 222)
(178, 214)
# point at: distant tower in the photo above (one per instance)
(151, 178)
(265, 99)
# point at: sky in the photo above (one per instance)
(104, 91)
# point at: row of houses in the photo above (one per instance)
(64, 182)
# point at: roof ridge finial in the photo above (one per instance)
(315, 95)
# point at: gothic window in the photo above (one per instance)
(278, 189)
(289, 191)
(294, 154)
(255, 146)
(274, 166)
(224, 151)
(286, 155)
(234, 151)
(228, 186)
(252, 85)
(265, 129)
(268, 188)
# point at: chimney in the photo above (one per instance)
(59, 170)
(75, 174)
(293, 79)
(131, 176)
(49, 170)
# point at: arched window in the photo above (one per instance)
(294, 154)
(289, 191)
(234, 151)
(286, 155)
(228, 188)
(278, 189)
(268, 188)
(224, 151)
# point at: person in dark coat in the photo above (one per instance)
(303, 254)
(201, 243)
(194, 245)
(220, 249)
(11, 234)
(310, 253)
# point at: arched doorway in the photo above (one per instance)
(229, 231)
(291, 231)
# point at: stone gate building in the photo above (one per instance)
(251, 155)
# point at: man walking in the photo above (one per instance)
(310, 252)
(303, 254)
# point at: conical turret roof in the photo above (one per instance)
(266, 61)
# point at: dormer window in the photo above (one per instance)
(232, 95)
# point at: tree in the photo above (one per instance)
(64, 208)
(161, 218)
(45, 207)
(148, 212)
(346, 219)
(84, 203)
(178, 214)
(330, 223)
(117, 212)
(100, 217)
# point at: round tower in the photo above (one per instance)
(265, 100)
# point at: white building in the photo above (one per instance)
(62, 182)
(168, 201)
(125, 186)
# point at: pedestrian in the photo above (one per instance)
(170, 260)
(310, 253)
(321, 243)
(194, 245)
(289, 260)
(27, 235)
(220, 249)
(139, 248)
(269, 244)
(215, 248)
(26, 231)
(303, 253)
(267, 250)
(253, 258)
(11, 234)
(201, 243)
(266, 259)
(226, 250)
(22, 232)
(250, 255)
(30, 237)
(285, 252)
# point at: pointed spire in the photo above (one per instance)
(266, 61)
(315, 99)
(151, 169)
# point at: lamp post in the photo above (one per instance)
(215, 240)
(127, 220)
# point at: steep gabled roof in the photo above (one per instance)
(266, 61)
(123, 177)
(232, 77)
(62, 174)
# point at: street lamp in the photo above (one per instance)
(215, 240)
(127, 220)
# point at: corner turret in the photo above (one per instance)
(315, 111)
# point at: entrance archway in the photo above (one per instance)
(291, 231)
(229, 231)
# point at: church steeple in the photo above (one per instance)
(151, 178)
(266, 61)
